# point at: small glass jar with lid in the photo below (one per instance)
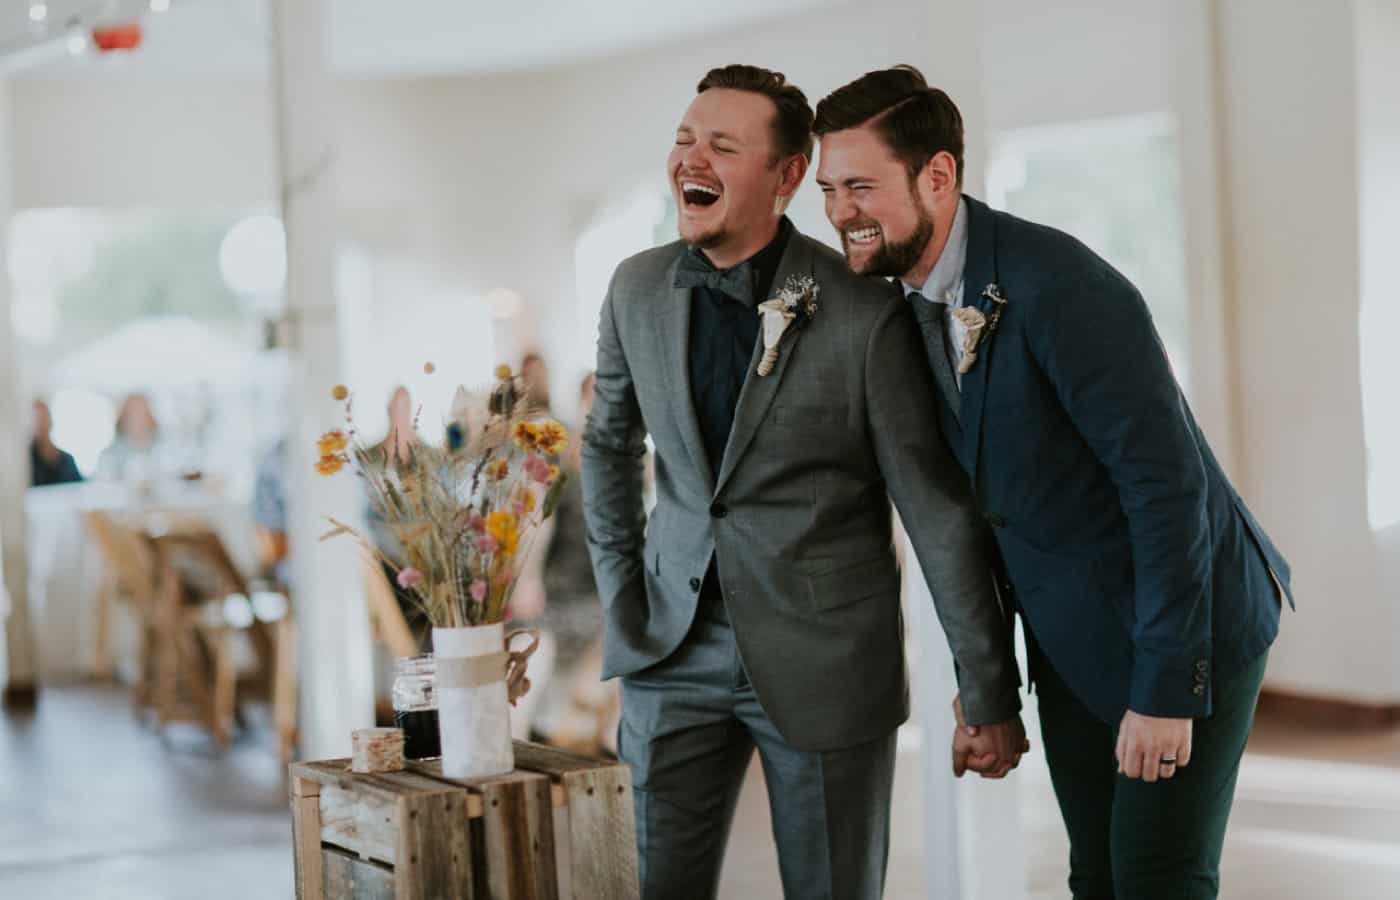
(415, 706)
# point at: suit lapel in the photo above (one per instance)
(673, 325)
(979, 272)
(758, 391)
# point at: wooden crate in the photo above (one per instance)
(560, 827)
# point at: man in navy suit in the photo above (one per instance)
(1148, 593)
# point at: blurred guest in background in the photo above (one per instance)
(396, 449)
(270, 512)
(134, 452)
(577, 710)
(534, 380)
(47, 463)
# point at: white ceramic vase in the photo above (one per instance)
(474, 721)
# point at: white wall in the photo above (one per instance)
(1288, 216)
(1052, 63)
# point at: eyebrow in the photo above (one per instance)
(850, 182)
(714, 135)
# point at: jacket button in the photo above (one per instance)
(1202, 665)
(1198, 690)
(719, 511)
(695, 584)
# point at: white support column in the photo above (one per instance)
(334, 654)
(973, 837)
(1196, 100)
(15, 425)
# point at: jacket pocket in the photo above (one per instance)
(845, 585)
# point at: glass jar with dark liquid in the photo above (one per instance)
(415, 706)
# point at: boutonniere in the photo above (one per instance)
(795, 303)
(978, 326)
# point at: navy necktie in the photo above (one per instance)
(933, 320)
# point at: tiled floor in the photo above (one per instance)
(93, 805)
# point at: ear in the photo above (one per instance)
(794, 169)
(941, 174)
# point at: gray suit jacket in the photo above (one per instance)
(798, 516)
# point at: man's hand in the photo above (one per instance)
(1150, 748)
(990, 750)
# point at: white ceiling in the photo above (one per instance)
(370, 38)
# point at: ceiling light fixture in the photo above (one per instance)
(38, 11)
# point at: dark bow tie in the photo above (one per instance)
(697, 271)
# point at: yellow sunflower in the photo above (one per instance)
(502, 526)
(551, 437)
(526, 435)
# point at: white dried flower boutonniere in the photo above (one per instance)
(795, 303)
(978, 326)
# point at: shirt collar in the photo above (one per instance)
(947, 273)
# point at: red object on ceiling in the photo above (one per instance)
(117, 37)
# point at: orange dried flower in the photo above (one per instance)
(332, 442)
(329, 465)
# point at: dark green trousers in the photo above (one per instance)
(1130, 840)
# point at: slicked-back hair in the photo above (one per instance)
(915, 121)
(792, 125)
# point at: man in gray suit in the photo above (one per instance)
(759, 607)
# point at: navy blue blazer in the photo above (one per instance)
(1135, 565)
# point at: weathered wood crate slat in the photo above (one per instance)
(560, 827)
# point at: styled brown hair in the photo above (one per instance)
(915, 121)
(792, 125)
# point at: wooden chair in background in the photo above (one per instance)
(129, 577)
(192, 607)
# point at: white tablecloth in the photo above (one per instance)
(65, 567)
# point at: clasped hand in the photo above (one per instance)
(990, 750)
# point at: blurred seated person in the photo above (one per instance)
(47, 463)
(135, 450)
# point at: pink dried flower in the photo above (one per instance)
(538, 469)
(478, 523)
(409, 577)
(487, 545)
(519, 508)
(478, 590)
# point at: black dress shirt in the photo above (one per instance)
(722, 336)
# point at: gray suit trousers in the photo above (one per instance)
(689, 728)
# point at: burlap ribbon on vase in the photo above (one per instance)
(478, 671)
